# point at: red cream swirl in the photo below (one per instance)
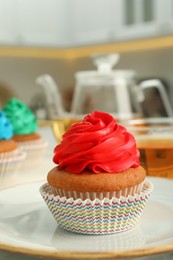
(98, 144)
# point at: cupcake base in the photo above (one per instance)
(35, 151)
(10, 166)
(106, 216)
(136, 189)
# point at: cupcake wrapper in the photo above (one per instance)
(35, 151)
(33, 146)
(97, 216)
(10, 166)
(136, 189)
(9, 154)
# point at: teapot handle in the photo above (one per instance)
(156, 83)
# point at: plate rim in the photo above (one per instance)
(76, 255)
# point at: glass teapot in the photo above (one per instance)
(106, 89)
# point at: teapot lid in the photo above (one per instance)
(105, 64)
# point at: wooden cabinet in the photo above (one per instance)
(42, 22)
(57, 23)
(167, 25)
(91, 21)
(33, 23)
(107, 21)
(8, 22)
(71, 23)
(144, 18)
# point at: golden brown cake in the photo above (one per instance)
(27, 137)
(61, 179)
(7, 146)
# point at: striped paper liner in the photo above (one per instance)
(35, 151)
(29, 146)
(10, 166)
(136, 189)
(9, 154)
(97, 216)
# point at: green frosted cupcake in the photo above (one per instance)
(25, 129)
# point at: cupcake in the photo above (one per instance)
(8, 146)
(25, 127)
(10, 155)
(98, 185)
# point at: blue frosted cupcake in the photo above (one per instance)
(10, 154)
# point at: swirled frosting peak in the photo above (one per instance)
(98, 144)
(6, 129)
(22, 118)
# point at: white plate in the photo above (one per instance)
(27, 226)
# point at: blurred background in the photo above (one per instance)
(65, 58)
(59, 37)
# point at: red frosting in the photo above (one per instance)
(98, 143)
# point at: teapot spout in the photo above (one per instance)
(53, 98)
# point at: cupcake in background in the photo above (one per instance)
(8, 147)
(11, 156)
(98, 186)
(25, 128)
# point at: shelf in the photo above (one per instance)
(86, 51)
